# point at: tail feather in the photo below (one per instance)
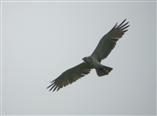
(103, 70)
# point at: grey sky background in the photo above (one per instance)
(41, 40)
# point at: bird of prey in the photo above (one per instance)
(103, 49)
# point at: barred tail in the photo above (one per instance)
(104, 70)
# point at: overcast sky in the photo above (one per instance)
(41, 40)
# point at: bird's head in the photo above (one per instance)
(87, 60)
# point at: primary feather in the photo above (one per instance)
(70, 76)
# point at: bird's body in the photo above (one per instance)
(103, 49)
(92, 62)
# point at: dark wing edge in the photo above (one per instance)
(69, 76)
(118, 30)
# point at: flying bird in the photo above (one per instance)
(103, 49)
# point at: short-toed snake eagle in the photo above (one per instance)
(103, 49)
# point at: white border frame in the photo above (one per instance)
(80, 1)
(62, 1)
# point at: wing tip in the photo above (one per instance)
(123, 25)
(52, 86)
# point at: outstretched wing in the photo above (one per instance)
(69, 76)
(108, 42)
